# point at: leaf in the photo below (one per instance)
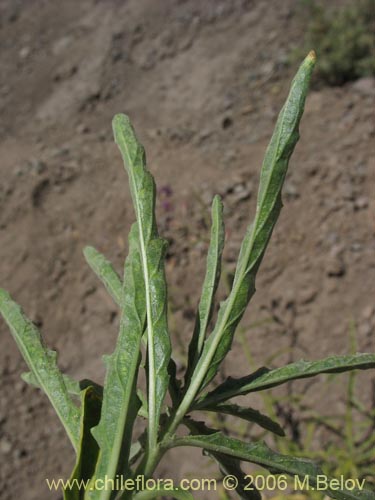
(160, 492)
(43, 364)
(228, 465)
(269, 204)
(88, 447)
(152, 250)
(210, 285)
(265, 379)
(120, 403)
(248, 414)
(232, 467)
(105, 272)
(259, 453)
(255, 241)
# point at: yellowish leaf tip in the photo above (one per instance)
(312, 55)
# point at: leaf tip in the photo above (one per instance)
(120, 122)
(311, 56)
(88, 251)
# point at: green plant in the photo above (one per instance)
(101, 429)
(349, 439)
(343, 38)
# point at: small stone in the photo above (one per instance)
(24, 52)
(242, 192)
(5, 446)
(356, 247)
(335, 266)
(61, 45)
(368, 312)
(361, 203)
(307, 295)
(82, 128)
(246, 110)
(290, 190)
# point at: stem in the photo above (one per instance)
(201, 370)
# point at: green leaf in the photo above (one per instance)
(248, 414)
(88, 447)
(269, 204)
(105, 272)
(265, 379)
(152, 250)
(161, 492)
(43, 364)
(210, 285)
(120, 402)
(256, 239)
(232, 467)
(228, 465)
(259, 453)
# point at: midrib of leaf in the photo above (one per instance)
(152, 434)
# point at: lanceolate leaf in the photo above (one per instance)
(231, 466)
(269, 204)
(88, 447)
(256, 239)
(248, 414)
(152, 251)
(120, 402)
(227, 464)
(210, 284)
(259, 453)
(42, 362)
(265, 379)
(105, 272)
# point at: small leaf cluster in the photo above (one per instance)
(101, 426)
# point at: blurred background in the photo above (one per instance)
(203, 82)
